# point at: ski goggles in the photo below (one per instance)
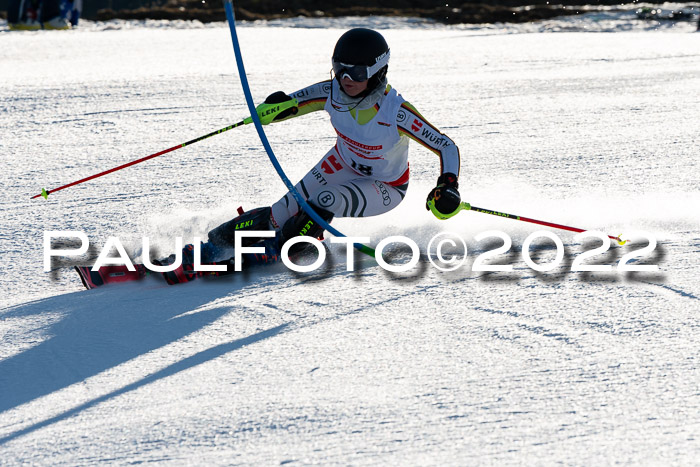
(359, 72)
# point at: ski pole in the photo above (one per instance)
(464, 206)
(45, 193)
(269, 115)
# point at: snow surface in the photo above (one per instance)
(270, 367)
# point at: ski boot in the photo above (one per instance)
(271, 254)
(299, 225)
(223, 237)
(221, 241)
(183, 273)
(259, 219)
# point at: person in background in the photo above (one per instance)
(32, 15)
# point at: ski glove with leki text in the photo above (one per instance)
(277, 106)
(444, 197)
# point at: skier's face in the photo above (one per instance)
(353, 88)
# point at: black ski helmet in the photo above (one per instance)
(361, 47)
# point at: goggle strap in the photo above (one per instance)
(381, 63)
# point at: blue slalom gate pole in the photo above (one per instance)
(228, 6)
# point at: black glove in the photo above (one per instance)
(445, 195)
(276, 98)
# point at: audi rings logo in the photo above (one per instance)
(401, 116)
(386, 198)
(325, 199)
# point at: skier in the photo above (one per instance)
(366, 173)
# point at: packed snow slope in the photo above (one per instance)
(598, 131)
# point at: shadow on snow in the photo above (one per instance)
(102, 329)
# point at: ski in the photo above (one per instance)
(183, 273)
(109, 275)
(117, 274)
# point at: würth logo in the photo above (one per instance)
(416, 125)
